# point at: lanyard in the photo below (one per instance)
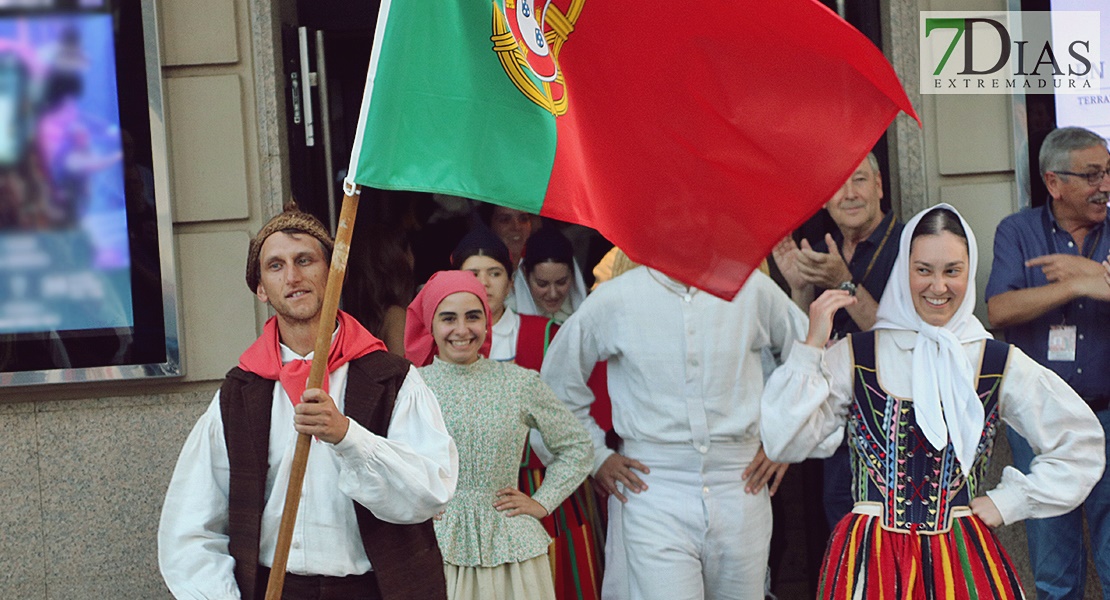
(878, 251)
(838, 328)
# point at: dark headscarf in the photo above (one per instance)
(547, 245)
(482, 241)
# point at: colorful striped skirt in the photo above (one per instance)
(865, 561)
(578, 536)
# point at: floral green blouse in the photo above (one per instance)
(489, 407)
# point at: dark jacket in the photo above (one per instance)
(406, 558)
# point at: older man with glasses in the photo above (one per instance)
(1050, 295)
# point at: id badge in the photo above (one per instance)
(1061, 343)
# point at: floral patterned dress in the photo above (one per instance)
(488, 408)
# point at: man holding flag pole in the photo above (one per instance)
(382, 462)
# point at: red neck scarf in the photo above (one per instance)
(263, 358)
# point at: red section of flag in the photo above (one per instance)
(698, 135)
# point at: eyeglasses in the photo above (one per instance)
(1093, 178)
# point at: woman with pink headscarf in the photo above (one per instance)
(491, 538)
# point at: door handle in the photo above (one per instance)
(306, 88)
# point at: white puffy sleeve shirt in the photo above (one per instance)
(807, 399)
(685, 367)
(406, 477)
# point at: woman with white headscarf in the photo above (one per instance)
(549, 283)
(921, 397)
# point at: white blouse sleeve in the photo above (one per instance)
(1066, 438)
(193, 551)
(805, 403)
(410, 475)
(567, 366)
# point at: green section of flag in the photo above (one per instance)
(444, 116)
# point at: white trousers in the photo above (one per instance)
(694, 534)
(614, 584)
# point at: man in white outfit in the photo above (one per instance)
(381, 465)
(685, 378)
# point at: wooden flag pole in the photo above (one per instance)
(315, 379)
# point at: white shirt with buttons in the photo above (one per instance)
(684, 366)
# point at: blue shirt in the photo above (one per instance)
(1027, 235)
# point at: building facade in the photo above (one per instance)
(84, 467)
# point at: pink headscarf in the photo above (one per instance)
(420, 347)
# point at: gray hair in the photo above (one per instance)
(874, 162)
(1056, 150)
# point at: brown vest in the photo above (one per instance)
(406, 558)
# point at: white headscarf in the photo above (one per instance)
(526, 305)
(943, 379)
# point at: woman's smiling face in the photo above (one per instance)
(938, 276)
(459, 328)
(549, 283)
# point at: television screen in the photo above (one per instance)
(86, 274)
(64, 256)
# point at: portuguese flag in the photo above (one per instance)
(694, 135)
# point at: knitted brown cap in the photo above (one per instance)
(290, 220)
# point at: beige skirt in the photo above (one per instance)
(528, 580)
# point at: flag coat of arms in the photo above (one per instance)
(692, 135)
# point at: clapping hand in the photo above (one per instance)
(1088, 277)
(1060, 267)
(786, 254)
(823, 269)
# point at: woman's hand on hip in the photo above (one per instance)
(518, 503)
(984, 508)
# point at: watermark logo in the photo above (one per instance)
(1014, 52)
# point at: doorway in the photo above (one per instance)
(326, 48)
